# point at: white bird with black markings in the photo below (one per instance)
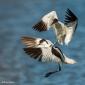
(44, 51)
(63, 31)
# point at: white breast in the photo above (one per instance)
(48, 56)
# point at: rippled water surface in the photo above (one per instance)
(16, 19)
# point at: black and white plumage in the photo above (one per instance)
(46, 22)
(63, 31)
(36, 42)
(44, 51)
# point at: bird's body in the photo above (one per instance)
(64, 31)
(44, 51)
(60, 32)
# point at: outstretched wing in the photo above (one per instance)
(35, 53)
(71, 20)
(42, 54)
(30, 41)
(46, 22)
(40, 26)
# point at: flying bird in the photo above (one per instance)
(43, 50)
(63, 31)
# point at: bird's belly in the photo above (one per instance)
(68, 36)
(48, 56)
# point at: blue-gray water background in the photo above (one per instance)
(16, 19)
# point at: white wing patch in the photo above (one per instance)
(45, 23)
(48, 19)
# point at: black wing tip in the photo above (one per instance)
(68, 9)
(25, 50)
(40, 26)
(70, 16)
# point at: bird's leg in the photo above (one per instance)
(49, 73)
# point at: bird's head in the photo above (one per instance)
(54, 21)
(50, 18)
(45, 43)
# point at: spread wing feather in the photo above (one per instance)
(71, 20)
(30, 41)
(40, 26)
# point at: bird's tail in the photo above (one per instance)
(69, 60)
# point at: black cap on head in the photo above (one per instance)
(43, 40)
(55, 21)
